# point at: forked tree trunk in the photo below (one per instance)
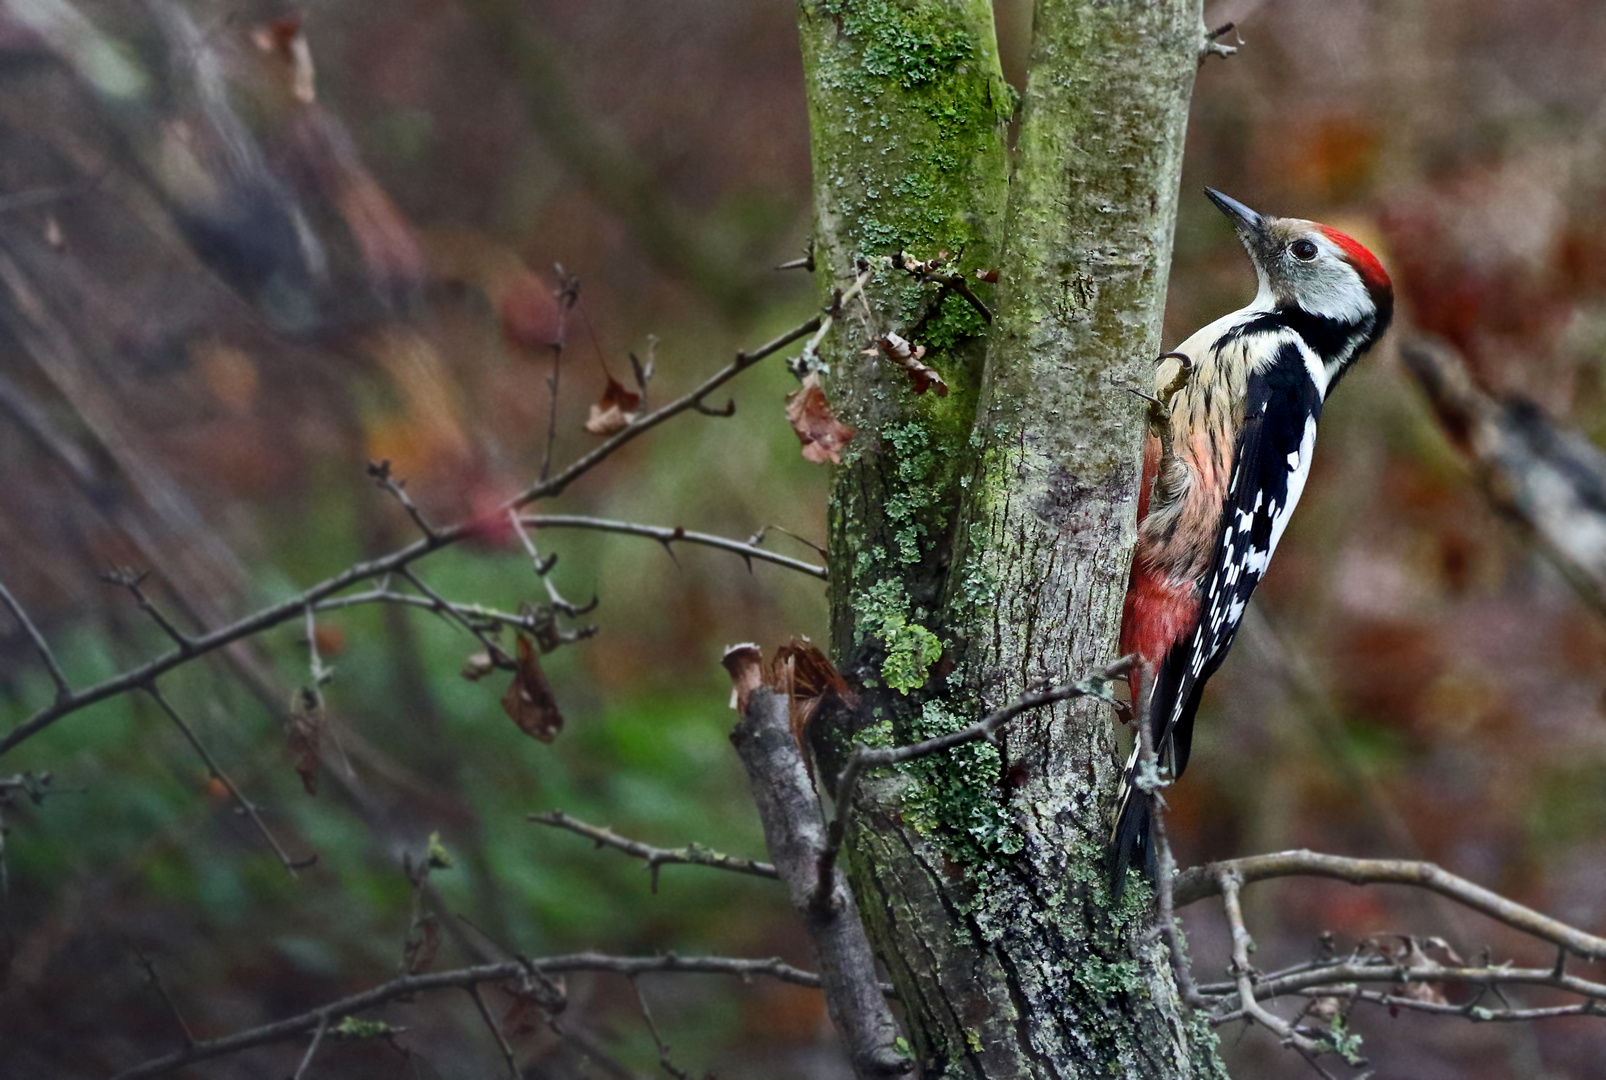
(980, 541)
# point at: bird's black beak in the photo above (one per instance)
(1243, 219)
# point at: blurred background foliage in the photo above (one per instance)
(228, 279)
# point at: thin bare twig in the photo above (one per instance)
(312, 1047)
(134, 582)
(41, 646)
(409, 985)
(1244, 974)
(154, 980)
(1202, 881)
(295, 606)
(567, 295)
(1165, 875)
(216, 771)
(664, 1059)
(543, 570)
(666, 537)
(932, 270)
(1331, 980)
(449, 611)
(808, 359)
(496, 1031)
(471, 612)
(380, 471)
(655, 857)
(1479, 1013)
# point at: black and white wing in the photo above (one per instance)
(1270, 464)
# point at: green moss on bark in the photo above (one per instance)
(979, 541)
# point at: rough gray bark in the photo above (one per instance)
(995, 526)
(794, 831)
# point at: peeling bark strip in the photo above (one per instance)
(980, 542)
(794, 830)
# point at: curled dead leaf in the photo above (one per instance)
(823, 436)
(423, 942)
(745, 663)
(529, 701)
(922, 377)
(616, 411)
(304, 736)
(801, 672)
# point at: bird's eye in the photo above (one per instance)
(1303, 250)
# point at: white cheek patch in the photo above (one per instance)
(1337, 291)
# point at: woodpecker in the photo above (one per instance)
(1232, 428)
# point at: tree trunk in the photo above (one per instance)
(980, 542)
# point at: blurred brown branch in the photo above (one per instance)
(1549, 480)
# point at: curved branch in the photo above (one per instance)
(671, 536)
(408, 985)
(1328, 977)
(655, 857)
(1203, 881)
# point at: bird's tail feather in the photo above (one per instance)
(1129, 841)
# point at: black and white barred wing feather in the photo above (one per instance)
(1270, 464)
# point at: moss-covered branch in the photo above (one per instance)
(907, 110)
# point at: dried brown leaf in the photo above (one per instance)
(745, 663)
(616, 411)
(423, 942)
(529, 699)
(304, 736)
(922, 377)
(823, 436)
(801, 671)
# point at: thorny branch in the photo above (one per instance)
(668, 537)
(134, 582)
(276, 614)
(655, 857)
(407, 986)
(1327, 982)
(1244, 975)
